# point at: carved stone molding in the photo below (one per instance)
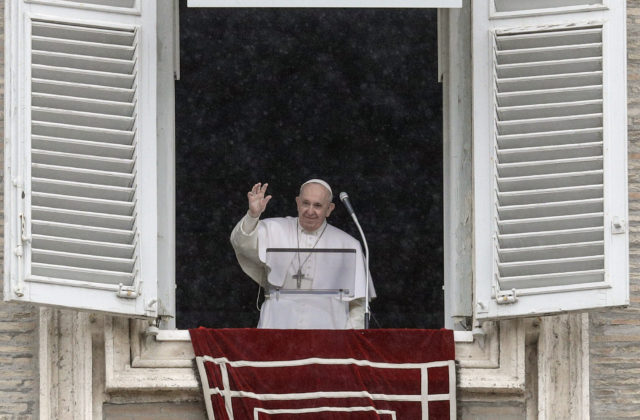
(498, 364)
(65, 365)
(136, 362)
(563, 367)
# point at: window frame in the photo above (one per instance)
(458, 279)
(328, 3)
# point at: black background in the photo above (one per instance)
(284, 95)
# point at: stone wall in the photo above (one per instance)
(18, 329)
(18, 361)
(615, 334)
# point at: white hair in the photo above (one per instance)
(321, 182)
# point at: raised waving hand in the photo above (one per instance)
(257, 200)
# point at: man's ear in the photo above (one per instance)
(298, 201)
(331, 207)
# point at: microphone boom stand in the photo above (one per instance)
(345, 200)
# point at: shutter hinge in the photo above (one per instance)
(18, 290)
(504, 297)
(23, 230)
(128, 292)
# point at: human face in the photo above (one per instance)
(313, 206)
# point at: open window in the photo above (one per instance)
(81, 149)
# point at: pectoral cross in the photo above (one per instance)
(298, 276)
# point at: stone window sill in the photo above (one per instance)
(136, 361)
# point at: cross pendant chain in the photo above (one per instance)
(298, 276)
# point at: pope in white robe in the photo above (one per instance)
(321, 289)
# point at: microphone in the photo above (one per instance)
(367, 311)
(344, 197)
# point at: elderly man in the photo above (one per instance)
(251, 237)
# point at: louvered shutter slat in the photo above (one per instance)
(545, 54)
(536, 39)
(550, 252)
(94, 205)
(535, 182)
(537, 125)
(532, 83)
(78, 189)
(551, 223)
(552, 280)
(73, 47)
(82, 175)
(104, 220)
(551, 209)
(85, 119)
(555, 237)
(89, 233)
(111, 3)
(83, 261)
(559, 151)
(80, 90)
(563, 265)
(550, 96)
(102, 35)
(549, 67)
(92, 106)
(561, 109)
(80, 246)
(529, 6)
(81, 147)
(549, 195)
(82, 133)
(550, 138)
(549, 166)
(76, 160)
(82, 62)
(82, 76)
(81, 274)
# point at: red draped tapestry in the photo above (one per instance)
(257, 374)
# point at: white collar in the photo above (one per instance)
(315, 232)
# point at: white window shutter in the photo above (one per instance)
(550, 174)
(80, 155)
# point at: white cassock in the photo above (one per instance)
(251, 238)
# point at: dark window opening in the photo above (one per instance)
(284, 95)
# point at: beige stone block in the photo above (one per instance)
(157, 411)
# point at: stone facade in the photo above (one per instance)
(615, 334)
(18, 362)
